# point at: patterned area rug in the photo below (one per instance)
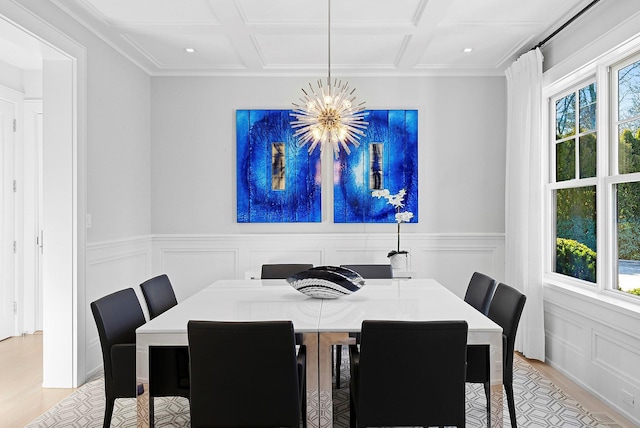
(539, 404)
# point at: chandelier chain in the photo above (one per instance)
(330, 115)
(329, 43)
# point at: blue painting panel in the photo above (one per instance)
(387, 158)
(277, 182)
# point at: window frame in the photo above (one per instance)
(602, 72)
(552, 185)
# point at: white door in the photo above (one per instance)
(7, 249)
(30, 311)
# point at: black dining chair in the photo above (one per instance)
(367, 271)
(505, 310)
(480, 291)
(168, 365)
(372, 271)
(159, 295)
(117, 317)
(409, 373)
(282, 270)
(254, 382)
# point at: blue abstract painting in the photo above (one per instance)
(387, 158)
(277, 181)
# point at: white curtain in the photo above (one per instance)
(524, 197)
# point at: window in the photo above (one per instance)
(626, 178)
(596, 202)
(575, 167)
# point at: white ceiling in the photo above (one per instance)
(289, 37)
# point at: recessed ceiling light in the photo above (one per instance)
(190, 50)
(467, 50)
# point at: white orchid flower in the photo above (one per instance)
(404, 217)
(401, 217)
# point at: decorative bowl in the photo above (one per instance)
(326, 282)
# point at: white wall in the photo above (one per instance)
(119, 141)
(117, 128)
(461, 144)
(591, 337)
(11, 77)
(602, 28)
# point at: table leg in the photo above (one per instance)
(142, 404)
(142, 376)
(325, 372)
(496, 406)
(310, 340)
(495, 361)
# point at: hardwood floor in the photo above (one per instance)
(22, 397)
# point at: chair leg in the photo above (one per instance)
(487, 393)
(304, 404)
(508, 387)
(352, 412)
(151, 412)
(108, 411)
(338, 364)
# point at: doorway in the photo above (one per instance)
(64, 238)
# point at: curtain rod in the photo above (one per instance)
(566, 24)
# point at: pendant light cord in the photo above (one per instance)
(329, 42)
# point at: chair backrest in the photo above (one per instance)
(117, 317)
(159, 295)
(243, 374)
(373, 271)
(505, 310)
(412, 373)
(283, 270)
(480, 291)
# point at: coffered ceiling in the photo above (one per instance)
(289, 37)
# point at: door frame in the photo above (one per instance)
(64, 251)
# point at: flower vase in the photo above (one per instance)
(399, 261)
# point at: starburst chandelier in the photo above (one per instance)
(328, 114)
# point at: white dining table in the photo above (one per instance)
(322, 323)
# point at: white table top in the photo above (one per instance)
(239, 300)
(402, 300)
(261, 300)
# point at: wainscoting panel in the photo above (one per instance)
(94, 359)
(192, 269)
(618, 357)
(567, 331)
(258, 257)
(193, 262)
(112, 266)
(595, 341)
